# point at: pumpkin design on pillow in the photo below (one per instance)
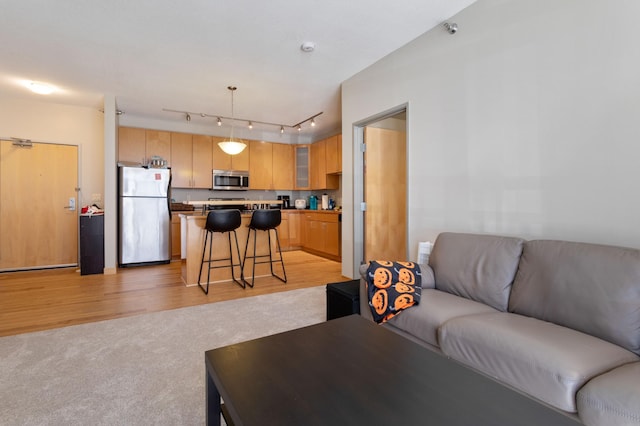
(406, 276)
(379, 301)
(403, 302)
(404, 288)
(382, 278)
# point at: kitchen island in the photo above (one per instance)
(192, 238)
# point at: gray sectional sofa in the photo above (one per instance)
(557, 320)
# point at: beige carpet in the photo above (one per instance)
(142, 370)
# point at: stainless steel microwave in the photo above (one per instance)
(230, 180)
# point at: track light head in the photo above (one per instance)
(188, 117)
(219, 122)
(452, 28)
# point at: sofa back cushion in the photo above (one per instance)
(591, 288)
(478, 267)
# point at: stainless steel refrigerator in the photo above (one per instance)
(144, 215)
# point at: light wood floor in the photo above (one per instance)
(40, 300)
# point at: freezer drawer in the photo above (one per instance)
(145, 231)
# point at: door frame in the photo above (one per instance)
(358, 177)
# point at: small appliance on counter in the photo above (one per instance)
(313, 202)
(286, 202)
(301, 204)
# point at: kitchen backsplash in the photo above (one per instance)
(185, 195)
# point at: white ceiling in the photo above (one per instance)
(182, 55)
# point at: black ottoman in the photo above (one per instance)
(343, 299)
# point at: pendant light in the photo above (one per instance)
(232, 146)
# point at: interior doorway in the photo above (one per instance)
(38, 205)
(384, 187)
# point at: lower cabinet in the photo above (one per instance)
(322, 234)
(289, 230)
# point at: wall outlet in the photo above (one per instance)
(96, 198)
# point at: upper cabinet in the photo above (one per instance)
(334, 154)
(271, 166)
(283, 166)
(131, 144)
(224, 161)
(320, 179)
(261, 165)
(303, 179)
(191, 157)
(158, 143)
(202, 159)
(181, 154)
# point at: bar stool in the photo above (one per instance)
(264, 220)
(223, 221)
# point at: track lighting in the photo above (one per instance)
(250, 123)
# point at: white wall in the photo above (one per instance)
(62, 124)
(525, 122)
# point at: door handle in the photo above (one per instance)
(72, 204)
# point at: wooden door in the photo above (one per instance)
(37, 227)
(202, 165)
(181, 165)
(385, 187)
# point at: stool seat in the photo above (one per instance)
(223, 221)
(264, 220)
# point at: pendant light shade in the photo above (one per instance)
(232, 146)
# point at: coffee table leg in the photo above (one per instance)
(213, 402)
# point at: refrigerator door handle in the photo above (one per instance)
(169, 195)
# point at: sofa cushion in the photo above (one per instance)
(544, 360)
(435, 308)
(591, 288)
(478, 267)
(612, 398)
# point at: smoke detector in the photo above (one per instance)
(308, 46)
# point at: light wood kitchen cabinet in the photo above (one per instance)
(318, 167)
(283, 166)
(181, 160)
(158, 143)
(191, 157)
(302, 176)
(322, 234)
(131, 144)
(295, 230)
(260, 165)
(289, 230)
(334, 154)
(224, 161)
(202, 161)
(175, 236)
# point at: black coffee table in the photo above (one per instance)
(350, 371)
